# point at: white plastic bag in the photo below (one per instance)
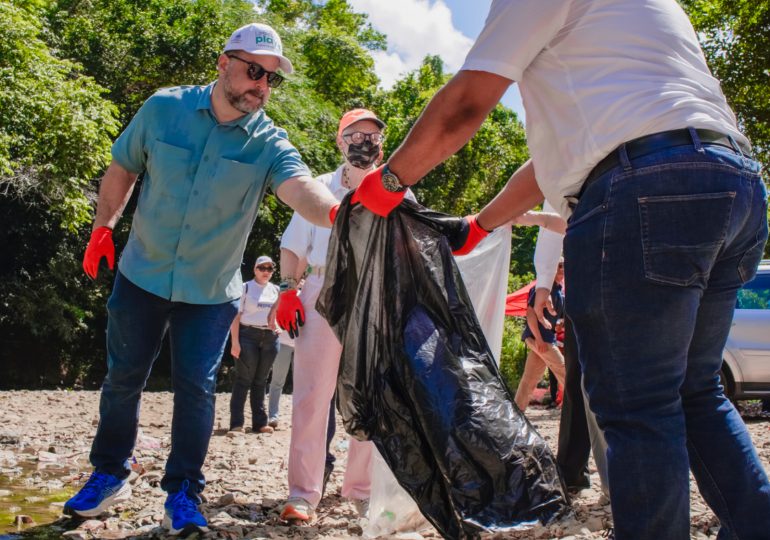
(485, 274)
(391, 509)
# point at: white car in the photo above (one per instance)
(746, 368)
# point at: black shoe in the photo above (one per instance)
(327, 474)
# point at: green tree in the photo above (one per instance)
(136, 47)
(735, 36)
(55, 124)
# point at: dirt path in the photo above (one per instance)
(44, 442)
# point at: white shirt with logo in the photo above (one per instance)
(596, 73)
(256, 302)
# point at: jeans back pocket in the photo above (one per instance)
(682, 235)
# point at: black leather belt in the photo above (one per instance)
(648, 144)
(256, 327)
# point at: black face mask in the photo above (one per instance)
(363, 156)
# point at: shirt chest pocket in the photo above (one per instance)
(237, 186)
(169, 170)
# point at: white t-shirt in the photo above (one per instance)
(310, 241)
(256, 302)
(596, 73)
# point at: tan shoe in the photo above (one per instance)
(265, 429)
(298, 509)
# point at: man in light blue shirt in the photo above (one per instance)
(207, 155)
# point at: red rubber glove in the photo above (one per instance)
(373, 195)
(290, 314)
(333, 213)
(100, 245)
(474, 235)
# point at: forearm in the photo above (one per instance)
(519, 195)
(114, 193)
(547, 220)
(311, 199)
(290, 265)
(235, 328)
(449, 121)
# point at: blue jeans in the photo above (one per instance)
(655, 253)
(259, 348)
(136, 324)
(280, 371)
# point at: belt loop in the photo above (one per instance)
(696, 140)
(735, 146)
(623, 155)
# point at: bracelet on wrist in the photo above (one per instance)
(288, 284)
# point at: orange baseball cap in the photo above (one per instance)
(356, 115)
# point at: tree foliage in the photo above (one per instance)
(735, 36)
(135, 47)
(55, 125)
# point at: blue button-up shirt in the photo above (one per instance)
(203, 182)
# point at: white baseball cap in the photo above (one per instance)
(256, 38)
(263, 259)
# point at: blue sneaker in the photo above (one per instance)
(182, 514)
(100, 492)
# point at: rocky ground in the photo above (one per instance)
(44, 443)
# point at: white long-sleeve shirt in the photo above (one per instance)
(547, 253)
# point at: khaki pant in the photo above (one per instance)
(534, 369)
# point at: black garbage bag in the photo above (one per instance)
(418, 379)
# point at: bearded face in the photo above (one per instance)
(246, 101)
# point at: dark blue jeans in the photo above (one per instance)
(259, 347)
(137, 322)
(656, 251)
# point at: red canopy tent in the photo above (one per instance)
(516, 302)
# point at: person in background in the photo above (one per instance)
(206, 155)
(254, 347)
(281, 368)
(540, 338)
(633, 141)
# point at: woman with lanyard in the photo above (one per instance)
(254, 347)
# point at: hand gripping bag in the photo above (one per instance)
(417, 378)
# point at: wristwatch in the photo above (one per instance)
(287, 284)
(391, 182)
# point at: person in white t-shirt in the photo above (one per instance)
(633, 141)
(254, 347)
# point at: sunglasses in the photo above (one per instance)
(358, 137)
(256, 72)
(266, 268)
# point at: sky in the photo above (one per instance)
(415, 28)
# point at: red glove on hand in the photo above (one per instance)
(465, 243)
(100, 245)
(373, 195)
(290, 314)
(333, 213)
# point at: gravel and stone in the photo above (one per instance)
(45, 438)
